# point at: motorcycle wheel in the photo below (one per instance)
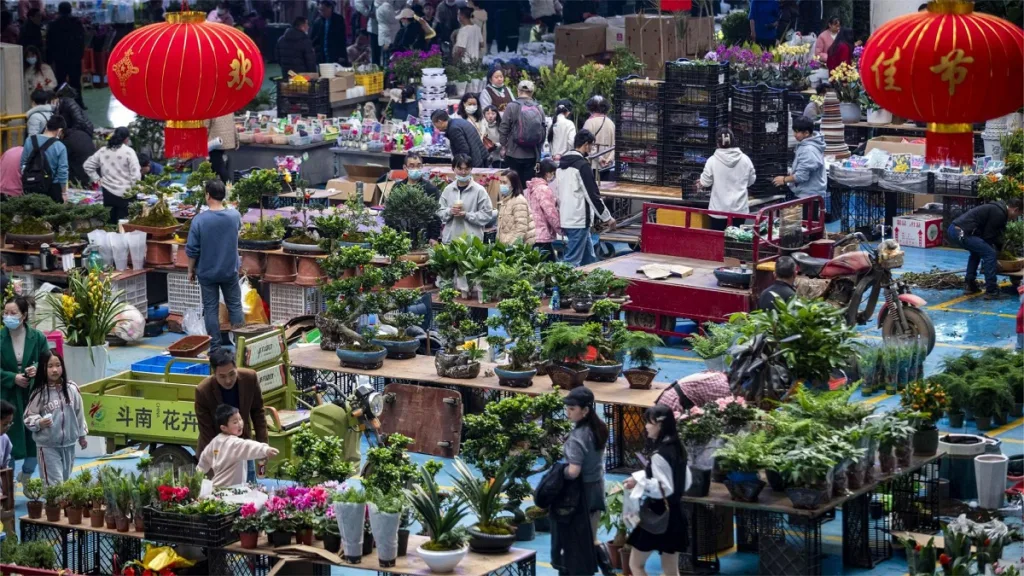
(919, 323)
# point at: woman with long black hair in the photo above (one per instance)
(20, 348)
(563, 130)
(841, 49)
(662, 482)
(56, 416)
(116, 168)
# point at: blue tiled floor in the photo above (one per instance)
(961, 324)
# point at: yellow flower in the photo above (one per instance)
(468, 346)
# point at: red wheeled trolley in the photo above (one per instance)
(676, 236)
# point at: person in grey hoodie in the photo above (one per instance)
(808, 177)
(465, 207)
(39, 113)
(56, 416)
(728, 174)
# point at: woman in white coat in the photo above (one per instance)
(562, 131)
(727, 173)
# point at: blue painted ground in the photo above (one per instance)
(962, 323)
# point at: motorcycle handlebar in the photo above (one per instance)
(851, 237)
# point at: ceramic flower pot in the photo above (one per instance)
(158, 254)
(442, 562)
(122, 523)
(248, 539)
(153, 232)
(308, 272)
(484, 543)
(526, 532)
(35, 509)
(110, 520)
(29, 241)
(52, 513)
(568, 376)
(304, 536)
(96, 518)
(455, 366)
(515, 378)
(746, 491)
(301, 249)
(368, 360)
(582, 305)
(398, 349)
(74, 514)
(385, 534)
(259, 244)
(990, 475)
(850, 111)
(280, 268)
(640, 378)
(879, 116)
(414, 280)
(603, 372)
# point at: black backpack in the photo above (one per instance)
(37, 177)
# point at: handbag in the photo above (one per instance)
(651, 520)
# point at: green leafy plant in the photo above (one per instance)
(830, 407)
(453, 321)
(892, 429)
(439, 516)
(743, 452)
(640, 346)
(77, 495)
(35, 554)
(317, 459)
(714, 342)
(518, 316)
(484, 495)
(352, 496)
(251, 189)
(89, 308)
(990, 396)
(34, 489)
(565, 343)
(388, 468)
(807, 467)
(147, 135)
(735, 28)
(55, 494)
(409, 209)
(1013, 240)
(611, 516)
(269, 229)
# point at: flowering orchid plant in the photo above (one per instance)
(846, 80)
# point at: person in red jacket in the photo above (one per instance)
(841, 49)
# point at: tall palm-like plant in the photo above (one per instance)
(441, 519)
(483, 495)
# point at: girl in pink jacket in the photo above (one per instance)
(544, 208)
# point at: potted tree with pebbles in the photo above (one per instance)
(440, 517)
(518, 317)
(34, 490)
(640, 346)
(490, 534)
(564, 345)
(454, 325)
(740, 458)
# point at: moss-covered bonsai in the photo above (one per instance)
(409, 209)
(28, 214)
(353, 226)
(158, 215)
(250, 191)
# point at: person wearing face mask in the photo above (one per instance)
(44, 162)
(515, 222)
(463, 137)
(469, 110)
(222, 15)
(579, 201)
(120, 171)
(20, 349)
(491, 135)
(38, 75)
(465, 208)
(544, 208)
(418, 176)
(496, 92)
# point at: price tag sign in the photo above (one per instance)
(771, 127)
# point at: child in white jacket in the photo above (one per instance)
(228, 453)
(728, 173)
(56, 416)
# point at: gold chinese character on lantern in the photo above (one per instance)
(889, 72)
(952, 68)
(239, 75)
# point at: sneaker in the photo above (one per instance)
(992, 296)
(23, 478)
(971, 288)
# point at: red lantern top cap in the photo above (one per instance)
(191, 17)
(951, 6)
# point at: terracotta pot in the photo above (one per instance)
(181, 257)
(122, 523)
(253, 262)
(624, 561)
(304, 536)
(52, 513)
(35, 509)
(249, 539)
(86, 511)
(140, 523)
(280, 268)
(154, 232)
(613, 554)
(159, 254)
(308, 272)
(96, 519)
(74, 515)
(110, 520)
(414, 280)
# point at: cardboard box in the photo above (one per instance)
(342, 81)
(918, 230)
(615, 35)
(700, 35)
(366, 175)
(575, 44)
(654, 40)
(896, 145)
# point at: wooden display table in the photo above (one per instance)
(84, 550)
(622, 407)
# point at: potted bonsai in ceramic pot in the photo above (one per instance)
(249, 524)
(385, 517)
(409, 209)
(809, 470)
(34, 490)
(518, 317)
(712, 345)
(248, 192)
(456, 360)
(607, 336)
(490, 535)
(741, 457)
(640, 346)
(25, 222)
(564, 344)
(440, 518)
(350, 511)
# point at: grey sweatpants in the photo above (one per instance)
(55, 463)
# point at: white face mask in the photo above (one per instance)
(471, 109)
(31, 60)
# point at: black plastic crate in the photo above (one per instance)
(762, 123)
(304, 105)
(697, 117)
(758, 99)
(638, 90)
(314, 88)
(677, 137)
(199, 530)
(698, 96)
(684, 175)
(685, 72)
(681, 154)
(955, 185)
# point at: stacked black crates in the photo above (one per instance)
(760, 122)
(306, 99)
(638, 130)
(696, 106)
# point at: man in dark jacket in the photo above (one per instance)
(32, 30)
(462, 137)
(80, 147)
(74, 116)
(65, 48)
(295, 49)
(418, 176)
(980, 232)
(233, 386)
(579, 201)
(523, 116)
(328, 34)
(785, 276)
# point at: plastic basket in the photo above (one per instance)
(182, 295)
(758, 99)
(695, 117)
(685, 72)
(134, 292)
(372, 82)
(206, 530)
(157, 365)
(698, 96)
(287, 302)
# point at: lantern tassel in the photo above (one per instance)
(185, 139)
(952, 143)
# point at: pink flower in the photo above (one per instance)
(248, 510)
(696, 411)
(329, 512)
(276, 504)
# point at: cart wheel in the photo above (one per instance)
(640, 319)
(172, 457)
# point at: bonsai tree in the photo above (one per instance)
(409, 209)
(640, 346)
(484, 496)
(352, 226)
(525, 432)
(318, 459)
(388, 468)
(454, 322)
(252, 187)
(34, 489)
(158, 215)
(372, 291)
(565, 343)
(28, 214)
(518, 317)
(264, 230)
(439, 516)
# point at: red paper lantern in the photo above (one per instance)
(950, 67)
(184, 71)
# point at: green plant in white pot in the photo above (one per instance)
(712, 345)
(440, 518)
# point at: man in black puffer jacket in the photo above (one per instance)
(67, 106)
(980, 232)
(295, 49)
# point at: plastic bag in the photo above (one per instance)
(253, 311)
(193, 323)
(130, 324)
(137, 248)
(100, 238)
(120, 250)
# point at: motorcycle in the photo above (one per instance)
(758, 373)
(855, 281)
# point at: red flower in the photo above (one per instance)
(917, 548)
(945, 559)
(988, 541)
(166, 572)
(129, 571)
